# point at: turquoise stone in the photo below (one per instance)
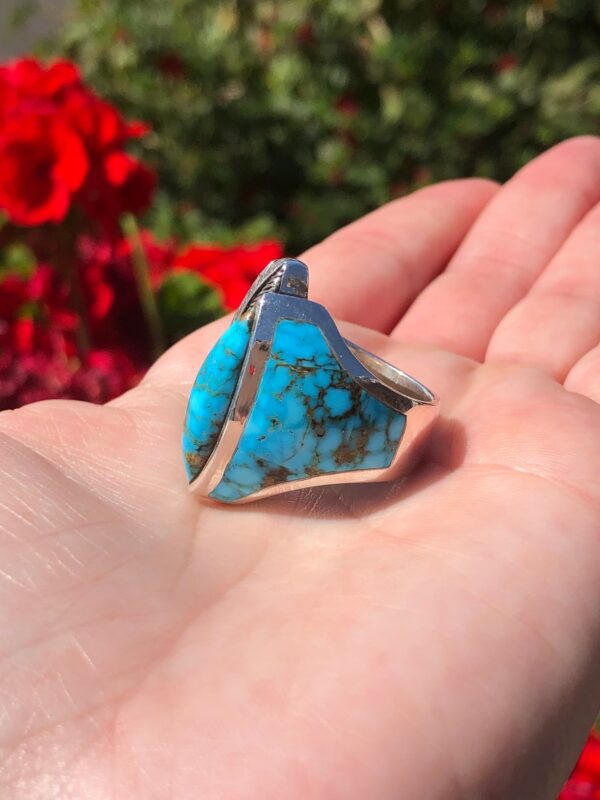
(211, 395)
(309, 418)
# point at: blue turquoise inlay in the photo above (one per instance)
(309, 418)
(211, 395)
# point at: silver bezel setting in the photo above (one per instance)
(280, 292)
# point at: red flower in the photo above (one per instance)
(576, 789)
(38, 355)
(111, 294)
(13, 293)
(347, 105)
(584, 783)
(589, 761)
(506, 62)
(56, 78)
(171, 65)
(131, 184)
(45, 375)
(25, 85)
(32, 377)
(61, 144)
(99, 124)
(232, 269)
(136, 128)
(24, 335)
(42, 164)
(35, 315)
(494, 12)
(305, 34)
(117, 182)
(36, 333)
(103, 375)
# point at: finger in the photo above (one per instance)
(415, 235)
(558, 321)
(584, 377)
(515, 237)
(370, 271)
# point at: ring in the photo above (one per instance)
(284, 402)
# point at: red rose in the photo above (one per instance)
(232, 269)
(42, 163)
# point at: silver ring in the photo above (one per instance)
(284, 402)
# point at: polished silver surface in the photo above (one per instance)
(284, 275)
(280, 292)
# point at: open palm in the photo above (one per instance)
(437, 638)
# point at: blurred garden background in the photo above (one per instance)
(194, 140)
(292, 118)
(154, 155)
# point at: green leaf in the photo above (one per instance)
(21, 14)
(29, 310)
(185, 303)
(17, 259)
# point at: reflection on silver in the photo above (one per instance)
(281, 292)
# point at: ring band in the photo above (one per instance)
(284, 402)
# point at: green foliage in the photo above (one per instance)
(307, 114)
(17, 259)
(185, 303)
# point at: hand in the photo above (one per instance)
(439, 638)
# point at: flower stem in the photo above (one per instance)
(144, 288)
(82, 332)
(69, 271)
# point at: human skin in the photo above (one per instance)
(435, 638)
